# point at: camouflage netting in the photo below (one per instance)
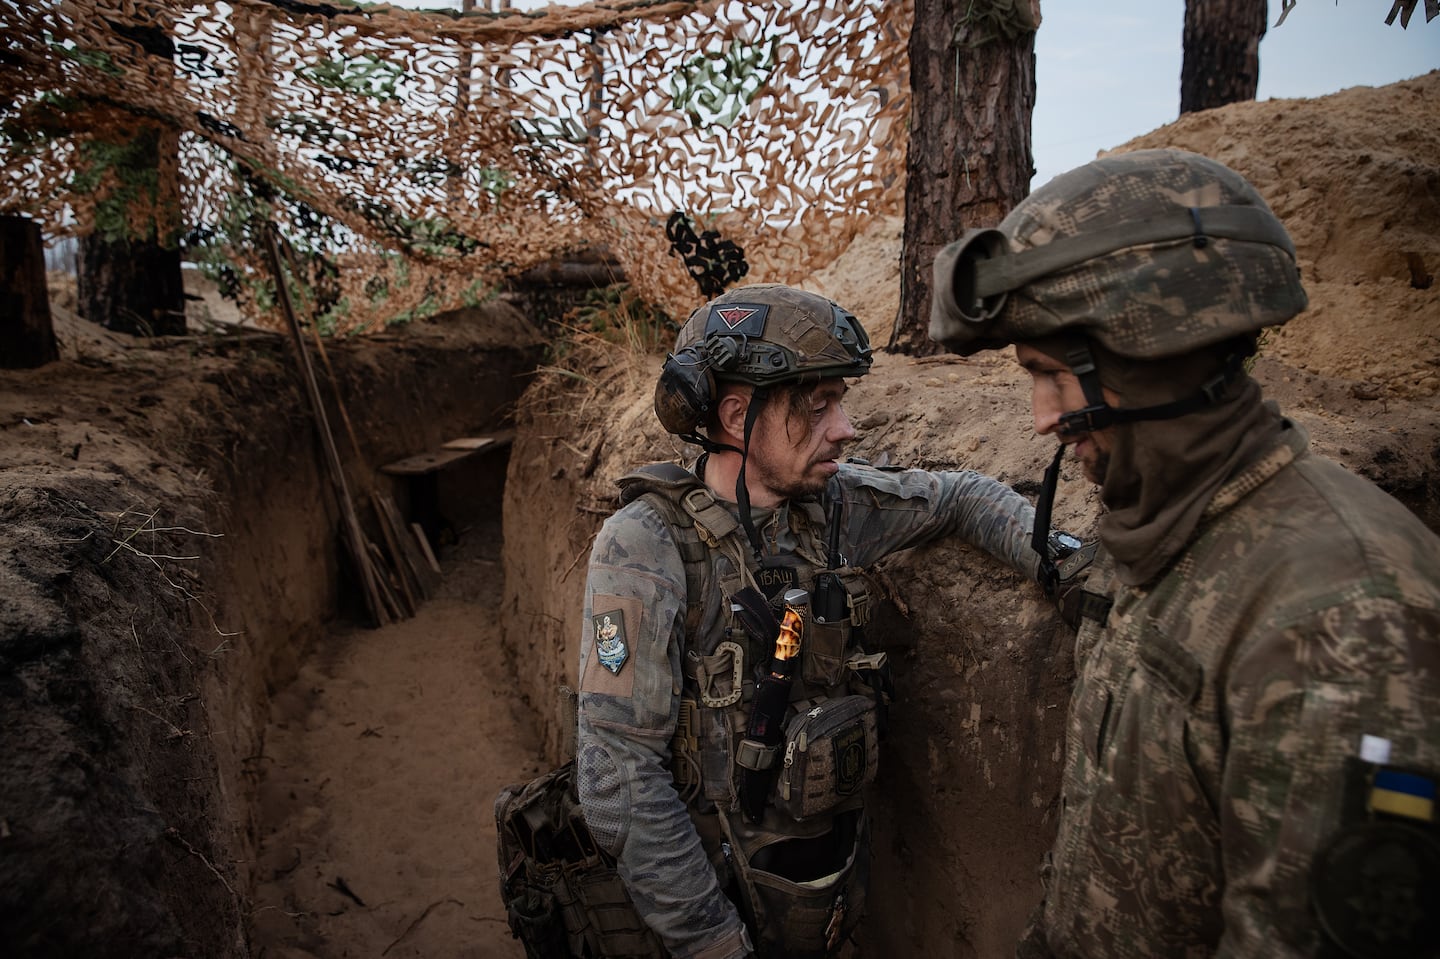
(423, 157)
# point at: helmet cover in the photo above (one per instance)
(1152, 254)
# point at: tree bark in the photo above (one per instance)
(1221, 53)
(131, 286)
(969, 160)
(27, 338)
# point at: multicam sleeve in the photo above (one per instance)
(1297, 839)
(628, 706)
(893, 510)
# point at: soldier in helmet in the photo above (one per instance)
(1253, 742)
(737, 819)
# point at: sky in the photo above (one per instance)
(1109, 70)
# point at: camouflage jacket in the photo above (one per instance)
(1214, 728)
(627, 715)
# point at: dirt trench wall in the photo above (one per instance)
(133, 685)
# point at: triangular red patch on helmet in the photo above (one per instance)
(734, 315)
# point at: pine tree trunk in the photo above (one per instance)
(969, 161)
(1222, 53)
(27, 338)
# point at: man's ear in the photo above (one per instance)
(730, 413)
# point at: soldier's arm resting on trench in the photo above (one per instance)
(905, 508)
(626, 719)
(1299, 702)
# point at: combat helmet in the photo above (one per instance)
(763, 335)
(1151, 254)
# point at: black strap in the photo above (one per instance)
(1099, 414)
(1048, 575)
(742, 492)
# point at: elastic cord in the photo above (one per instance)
(709, 445)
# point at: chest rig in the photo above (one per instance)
(720, 656)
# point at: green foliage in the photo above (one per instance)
(495, 182)
(95, 59)
(134, 165)
(478, 292)
(366, 75)
(717, 87)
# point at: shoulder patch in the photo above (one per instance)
(1374, 887)
(610, 640)
(607, 646)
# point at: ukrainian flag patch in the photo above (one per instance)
(1403, 794)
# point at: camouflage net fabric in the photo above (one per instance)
(420, 158)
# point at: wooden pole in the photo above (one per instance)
(354, 537)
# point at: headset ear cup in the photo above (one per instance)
(685, 391)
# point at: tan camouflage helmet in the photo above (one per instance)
(1151, 254)
(763, 335)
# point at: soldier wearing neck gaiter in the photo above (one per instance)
(1253, 743)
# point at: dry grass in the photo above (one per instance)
(601, 352)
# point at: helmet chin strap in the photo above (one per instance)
(1099, 414)
(758, 397)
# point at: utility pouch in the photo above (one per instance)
(841, 601)
(832, 751)
(562, 895)
(804, 895)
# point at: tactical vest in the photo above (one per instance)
(798, 876)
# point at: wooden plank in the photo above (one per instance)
(469, 443)
(389, 588)
(420, 573)
(425, 546)
(449, 453)
(354, 537)
(426, 462)
(397, 561)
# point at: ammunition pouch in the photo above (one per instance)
(803, 894)
(563, 897)
(823, 653)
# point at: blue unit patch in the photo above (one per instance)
(610, 640)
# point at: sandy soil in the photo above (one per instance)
(382, 761)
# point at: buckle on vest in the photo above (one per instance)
(756, 755)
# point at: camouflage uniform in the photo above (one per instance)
(1253, 744)
(1217, 713)
(628, 718)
